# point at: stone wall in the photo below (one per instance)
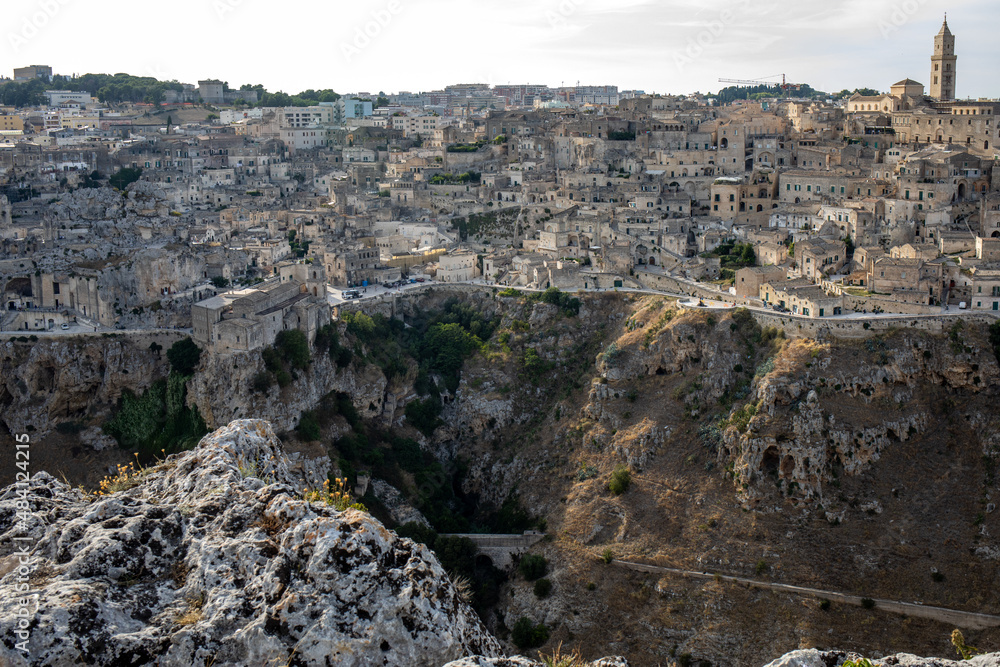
(887, 304)
(806, 327)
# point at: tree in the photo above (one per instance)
(533, 567)
(309, 426)
(220, 282)
(125, 177)
(293, 346)
(526, 635)
(169, 123)
(184, 356)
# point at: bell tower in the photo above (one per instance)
(943, 64)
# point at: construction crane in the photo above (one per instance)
(784, 84)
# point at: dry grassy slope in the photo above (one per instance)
(902, 501)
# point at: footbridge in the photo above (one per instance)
(501, 549)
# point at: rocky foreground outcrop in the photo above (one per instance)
(213, 557)
(814, 658)
(519, 661)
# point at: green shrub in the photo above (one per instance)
(867, 603)
(293, 347)
(343, 357)
(309, 426)
(542, 588)
(526, 635)
(761, 567)
(261, 382)
(824, 605)
(272, 360)
(184, 356)
(533, 566)
(994, 335)
(124, 177)
(283, 377)
(620, 480)
(607, 556)
(423, 414)
(157, 420)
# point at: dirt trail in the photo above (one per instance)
(963, 619)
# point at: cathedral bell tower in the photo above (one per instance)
(944, 64)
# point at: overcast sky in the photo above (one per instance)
(664, 46)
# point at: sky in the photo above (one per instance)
(661, 46)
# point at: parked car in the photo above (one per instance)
(65, 326)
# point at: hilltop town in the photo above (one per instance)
(237, 213)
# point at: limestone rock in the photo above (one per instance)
(214, 557)
(815, 658)
(518, 661)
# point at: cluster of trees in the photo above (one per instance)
(23, 93)
(623, 135)
(108, 88)
(456, 179)
(868, 92)
(732, 257)
(127, 88)
(733, 93)
(307, 98)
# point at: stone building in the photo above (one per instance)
(907, 280)
(750, 279)
(250, 319)
(801, 298)
(944, 64)
(457, 267)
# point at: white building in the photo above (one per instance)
(60, 97)
(303, 138)
(457, 267)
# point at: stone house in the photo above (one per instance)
(749, 280)
(820, 257)
(801, 298)
(907, 280)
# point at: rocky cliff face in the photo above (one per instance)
(222, 389)
(213, 557)
(49, 381)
